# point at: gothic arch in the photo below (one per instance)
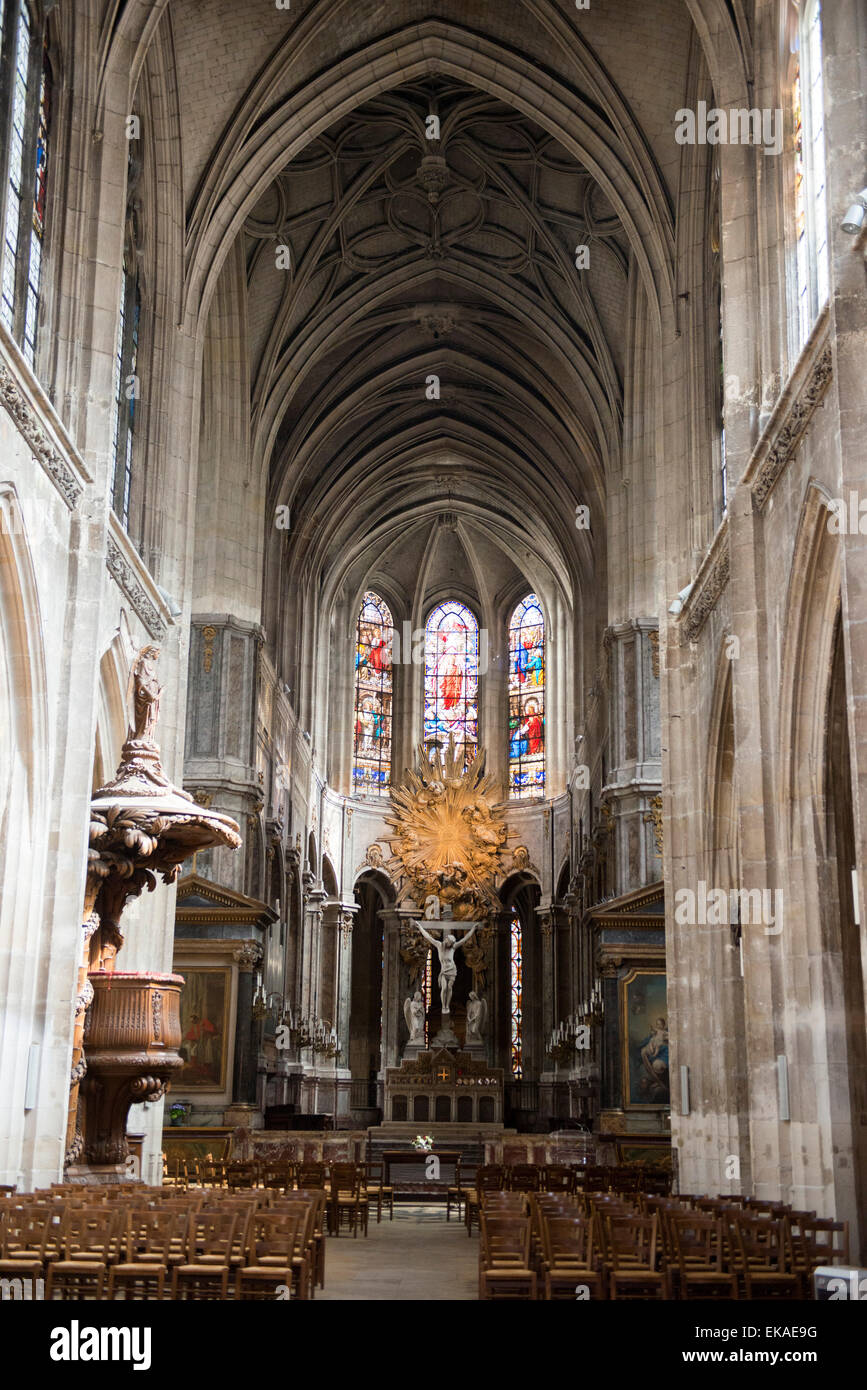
(25, 779)
(247, 163)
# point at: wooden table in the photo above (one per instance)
(417, 1156)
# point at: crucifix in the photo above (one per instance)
(442, 1074)
(445, 949)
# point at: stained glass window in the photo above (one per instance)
(37, 237)
(516, 973)
(17, 154)
(374, 636)
(451, 679)
(126, 392)
(527, 699)
(26, 179)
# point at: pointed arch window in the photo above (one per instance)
(126, 389)
(25, 189)
(374, 636)
(516, 995)
(451, 679)
(527, 699)
(811, 214)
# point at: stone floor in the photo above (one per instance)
(418, 1255)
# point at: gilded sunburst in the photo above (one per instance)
(448, 838)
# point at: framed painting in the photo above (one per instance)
(644, 1036)
(205, 1003)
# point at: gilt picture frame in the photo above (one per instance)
(644, 1039)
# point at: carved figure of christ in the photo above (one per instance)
(445, 949)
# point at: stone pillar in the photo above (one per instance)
(244, 1076)
(344, 979)
(392, 982)
(634, 778)
(545, 916)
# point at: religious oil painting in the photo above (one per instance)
(204, 1030)
(644, 1031)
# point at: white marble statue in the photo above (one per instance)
(477, 1017)
(413, 1012)
(445, 949)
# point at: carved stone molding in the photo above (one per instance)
(27, 421)
(653, 638)
(125, 578)
(247, 956)
(773, 454)
(654, 814)
(709, 585)
(208, 635)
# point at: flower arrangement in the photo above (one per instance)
(180, 1111)
(424, 1142)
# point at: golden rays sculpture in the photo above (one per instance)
(448, 839)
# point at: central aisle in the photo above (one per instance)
(418, 1255)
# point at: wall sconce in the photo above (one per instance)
(856, 213)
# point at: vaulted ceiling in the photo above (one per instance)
(421, 342)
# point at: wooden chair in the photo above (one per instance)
(378, 1190)
(700, 1256)
(525, 1177)
(592, 1178)
(348, 1199)
(456, 1196)
(24, 1233)
(568, 1257)
(814, 1242)
(92, 1239)
(504, 1258)
(271, 1254)
(312, 1175)
(758, 1246)
(205, 1274)
(558, 1178)
(277, 1177)
(314, 1199)
(243, 1207)
(490, 1177)
(241, 1176)
(631, 1257)
(210, 1173)
(154, 1242)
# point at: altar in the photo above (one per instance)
(444, 1086)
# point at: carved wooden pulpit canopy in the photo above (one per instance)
(141, 825)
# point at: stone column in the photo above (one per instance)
(634, 778)
(343, 1004)
(244, 1106)
(545, 917)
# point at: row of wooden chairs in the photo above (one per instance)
(557, 1245)
(470, 1181)
(369, 1178)
(199, 1249)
